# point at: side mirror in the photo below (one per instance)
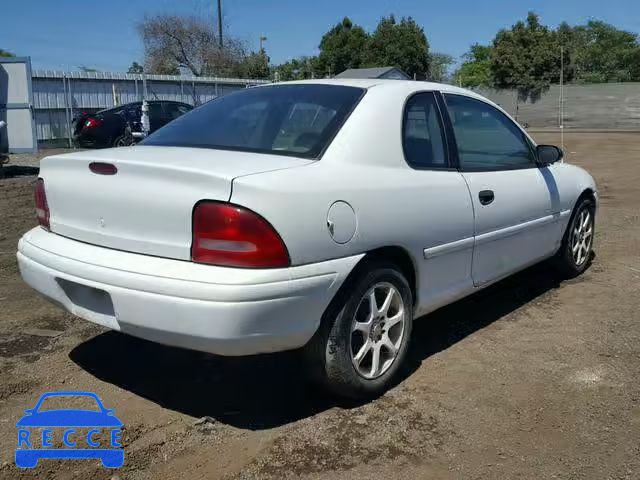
(548, 154)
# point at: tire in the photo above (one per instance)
(574, 255)
(122, 141)
(335, 353)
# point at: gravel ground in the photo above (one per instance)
(26, 164)
(33, 159)
(532, 378)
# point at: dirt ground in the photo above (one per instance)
(532, 378)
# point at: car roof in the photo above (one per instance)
(368, 83)
(138, 104)
(401, 87)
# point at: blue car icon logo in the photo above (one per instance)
(32, 446)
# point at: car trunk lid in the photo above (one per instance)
(146, 206)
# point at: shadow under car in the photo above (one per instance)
(265, 391)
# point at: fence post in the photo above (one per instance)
(66, 108)
(71, 145)
(144, 86)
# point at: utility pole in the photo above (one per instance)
(561, 105)
(220, 23)
(262, 40)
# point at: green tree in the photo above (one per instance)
(255, 65)
(604, 53)
(135, 68)
(439, 66)
(475, 70)
(4, 53)
(296, 69)
(634, 65)
(342, 47)
(399, 44)
(571, 40)
(526, 58)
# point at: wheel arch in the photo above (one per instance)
(397, 255)
(587, 193)
(394, 254)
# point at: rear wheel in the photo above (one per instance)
(364, 335)
(574, 255)
(123, 140)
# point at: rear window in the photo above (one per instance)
(297, 120)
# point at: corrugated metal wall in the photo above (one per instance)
(59, 96)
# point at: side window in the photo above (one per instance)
(132, 113)
(174, 110)
(155, 111)
(487, 139)
(422, 133)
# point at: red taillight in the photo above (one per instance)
(42, 207)
(232, 236)
(92, 122)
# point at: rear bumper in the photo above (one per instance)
(228, 311)
(88, 141)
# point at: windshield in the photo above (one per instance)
(297, 120)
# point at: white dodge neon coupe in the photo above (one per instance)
(320, 214)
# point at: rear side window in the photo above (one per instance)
(422, 133)
(132, 113)
(297, 120)
(487, 139)
(155, 110)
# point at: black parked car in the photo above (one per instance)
(107, 128)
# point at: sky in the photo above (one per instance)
(65, 34)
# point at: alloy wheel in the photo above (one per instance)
(582, 237)
(377, 330)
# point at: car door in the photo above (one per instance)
(132, 115)
(156, 116)
(445, 224)
(515, 202)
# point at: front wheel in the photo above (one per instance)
(364, 335)
(575, 252)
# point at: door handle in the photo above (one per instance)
(486, 197)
